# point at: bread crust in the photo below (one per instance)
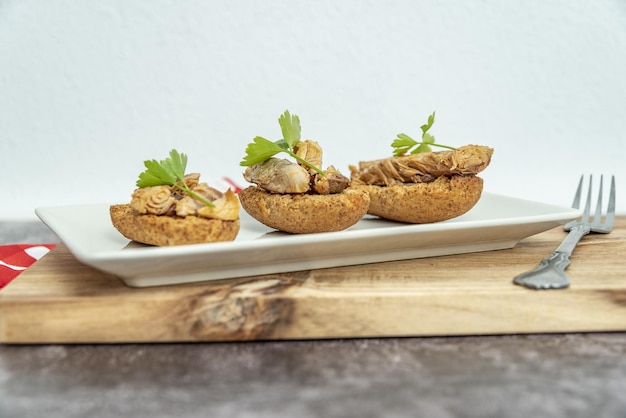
(305, 213)
(444, 198)
(170, 230)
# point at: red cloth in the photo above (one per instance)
(16, 258)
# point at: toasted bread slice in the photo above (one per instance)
(305, 213)
(445, 198)
(170, 230)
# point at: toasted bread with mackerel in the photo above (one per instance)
(419, 185)
(298, 196)
(169, 207)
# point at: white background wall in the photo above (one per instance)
(89, 90)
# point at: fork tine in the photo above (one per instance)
(576, 202)
(610, 212)
(597, 216)
(587, 209)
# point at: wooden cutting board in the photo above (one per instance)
(59, 300)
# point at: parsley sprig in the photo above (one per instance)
(405, 144)
(171, 172)
(262, 149)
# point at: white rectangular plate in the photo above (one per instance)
(496, 222)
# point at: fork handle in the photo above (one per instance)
(550, 273)
(571, 240)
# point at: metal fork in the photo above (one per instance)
(550, 273)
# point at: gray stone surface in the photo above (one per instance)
(507, 376)
(26, 232)
(568, 375)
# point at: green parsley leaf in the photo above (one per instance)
(169, 172)
(405, 144)
(261, 149)
(431, 120)
(290, 126)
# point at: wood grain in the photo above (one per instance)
(59, 300)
